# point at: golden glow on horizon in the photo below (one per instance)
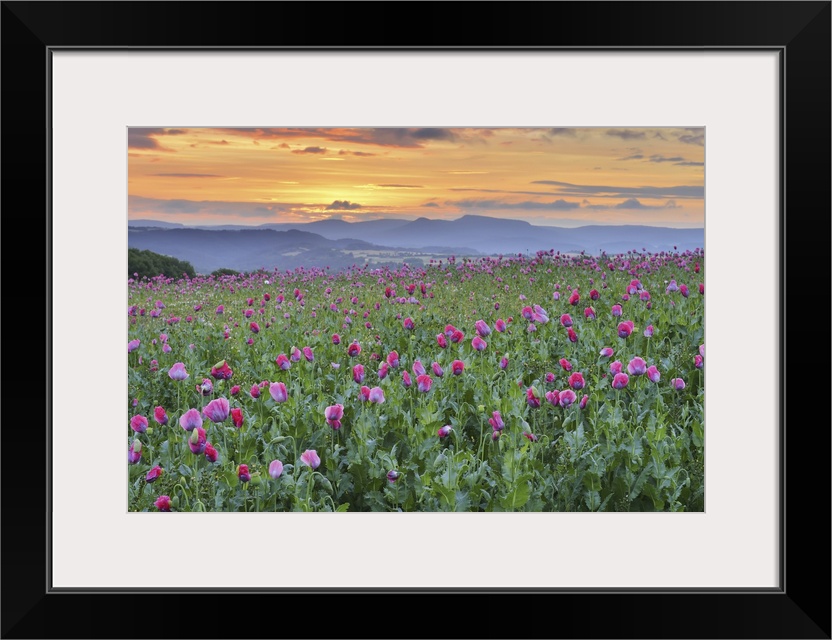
(580, 176)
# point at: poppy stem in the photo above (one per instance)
(309, 487)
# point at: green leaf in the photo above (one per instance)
(185, 470)
(516, 497)
(592, 499)
(343, 507)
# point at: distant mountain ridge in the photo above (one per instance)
(330, 242)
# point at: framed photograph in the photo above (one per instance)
(681, 118)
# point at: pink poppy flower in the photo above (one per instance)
(133, 345)
(532, 399)
(573, 337)
(211, 454)
(221, 371)
(353, 349)
(254, 327)
(482, 328)
(235, 390)
(677, 383)
(406, 379)
(496, 421)
(237, 417)
(160, 415)
(583, 402)
(162, 503)
(154, 474)
(441, 341)
(553, 397)
(444, 431)
(376, 395)
(393, 359)
(478, 343)
(423, 383)
(574, 299)
(336, 339)
(606, 352)
(307, 353)
(437, 370)
(310, 458)
(648, 331)
(576, 381)
(393, 475)
(408, 323)
(616, 310)
(594, 295)
(637, 367)
(190, 420)
(620, 380)
(589, 313)
(138, 423)
(255, 391)
(698, 361)
(418, 368)
(653, 374)
(243, 473)
(567, 398)
(283, 362)
(503, 363)
(364, 393)
(566, 320)
(178, 372)
(278, 392)
(358, 373)
(217, 410)
(457, 367)
(616, 367)
(198, 441)
(567, 366)
(530, 436)
(500, 325)
(624, 330)
(457, 336)
(294, 354)
(134, 453)
(275, 469)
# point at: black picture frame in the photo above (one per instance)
(798, 608)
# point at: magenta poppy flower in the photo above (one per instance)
(217, 410)
(637, 367)
(583, 402)
(336, 339)
(383, 370)
(606, 352)
(567, 398)
(243, 473)
(221, 371)
(219, 310)
(653, 374)
(457, 367)
(648, 331)
(530, 436)
(358, 373)
(134, 453)
(275, 469)
(677, 383)
(237, 417)
(162, 503)
(449, 330)
(393, 475)
(133, 345)
(616, 310)
(500, 325)
(406, 379)
(353, 349)
(364, 394)
(496, 421)
(310, 458)
(278, 392)
(254, 391)
(702, 350)
(408, 323)
(532, 399)
(576, 381)
(138, 423)
(160, 415)
(482, 328)
(423, 383)
(437, 370)
(283, 362)
(457, 336)
(178, 372)
(254, 327)
(190, 420)
(441, 341)
(393, 359)
(594, 295)
(550, 378)
(235, 390)
(573, 337)
(503, 363)
(198, 440)
(620, 380)
(671, 287)
(556, 295)
(211, 454)
(418, 368)
(552, 397)
(567, 366)
(698, 361)
(444, 431)
(294, 354)
(589, 313)
(478, 343)
(495, 435)
(702, 288)
(307, 353)
(566, 320)
(527, 313)
(624, 330)
(616, 367)
(206, 388)
(376, 395)
(154, 474)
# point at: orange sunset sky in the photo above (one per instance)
(546, 176)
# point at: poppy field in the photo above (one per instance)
(549, 382)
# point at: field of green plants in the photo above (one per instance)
(539, 383)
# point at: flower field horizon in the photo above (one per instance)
(542, 383)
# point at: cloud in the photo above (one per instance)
(186, 175)
(660, 158)
(310, 150)
(145, 137)
(561, 131)
(429, 204)
(636, 156)
(343, 205)
(400, 186)
(138, 206)
(383, 136)
(697, 139)
(631, 204)
(627, 134)
(529, 205)
(602, 191)
(360, 154)
(690, 164)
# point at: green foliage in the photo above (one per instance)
(146, 264)
(224, 272)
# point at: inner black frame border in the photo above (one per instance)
(798, 31)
